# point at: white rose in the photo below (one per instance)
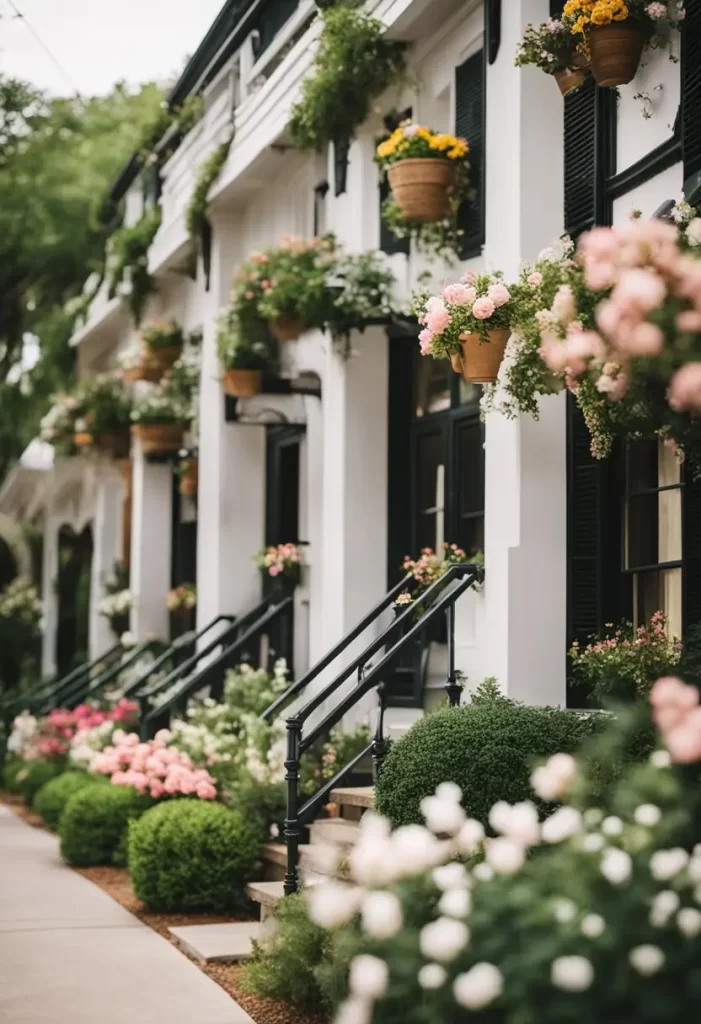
(443, 939)
(648, 815)
(593, 842)
(565, 822)
(455, 903)
(470, 836)
(664, 905)
(333, 904)
(689, 922)
(616, 866)
(646, 960)
(661, 758)
(479, 987)
(381, 914)
(612, 826)
(413, 850)
(693, 231)
(505, 856)
(450, 876)
(565, 911)
(572, 973)
(666, 864)
(449, 791)
(483, 872)
(444, 817)
(593, 926)
(354, 1011)
(432, 976)
(371, 861)
(694, 868)
(368, 977)
(551, 780)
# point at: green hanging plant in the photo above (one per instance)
(207, 174)
(354, 64)
(127, 261)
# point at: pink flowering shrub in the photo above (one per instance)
(476, 304)
(429, 567)
(153, 768)
(52, 736)
(280, 560)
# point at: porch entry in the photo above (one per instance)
(73, 597)
(436, 479)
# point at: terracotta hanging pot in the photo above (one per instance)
(569, 80)
(581, 61)
(288, 328)
(162, 359)
(159, 438)
(82, 439)
(421, 187)
(143, 371)
(482, 359)
(243, 383)
(188, 480)
(456, 361)
(115, 443)
(615, 53)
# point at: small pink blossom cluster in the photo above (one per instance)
(153, 768)
(430, 566)
(280, 560)
(648, 276)
(676, 712)
(644, 636)
(461, 306)
(182, 598)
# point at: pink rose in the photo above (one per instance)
(639, 290)
(469, 278)
(437, 321)
(483, 308)
(563, 304)
(499, 294)
(459, 294)
(689, 320)
(685, 388)
(426, 342)
(645, 340)
(534, 279)
(206, 791)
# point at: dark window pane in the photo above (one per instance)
(642, 465)
(642, 530)
(433, 378)
(470, 468)
(429, 456)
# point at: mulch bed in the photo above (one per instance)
(117, 884)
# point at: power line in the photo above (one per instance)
(45, 48)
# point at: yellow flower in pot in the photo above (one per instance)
(425, 170)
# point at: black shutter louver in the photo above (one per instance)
(580, 159)
(691, 89)
(470, 124)
(584, 500)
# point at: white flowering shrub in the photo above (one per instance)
(592, 914)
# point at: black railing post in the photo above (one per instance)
(452, 686)
(143, 722)
(293, 829)
(379, 744)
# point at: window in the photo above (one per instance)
(470, 124)
(389, 242)
(652, 533)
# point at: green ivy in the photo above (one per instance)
(207, 174)
(354, 64)
(128, 257)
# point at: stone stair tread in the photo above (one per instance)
(354, 796)
(334, 830)
(311, 857)
(265, 893)
(218, 943)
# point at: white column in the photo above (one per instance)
(107, 544)
(231, 502)
(49, 597)
(151, 545)
(525, 498)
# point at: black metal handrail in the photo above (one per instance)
(48, 687)
(212, 674)
(80, 679)
(187, 640)
(297, 687)
(438, 599)
(83, 689)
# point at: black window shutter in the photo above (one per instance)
(580, 159)
(556, 8)
(470, 124)
(389, 242)
(692, 551)
(691, 88)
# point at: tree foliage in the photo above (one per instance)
(57, 160)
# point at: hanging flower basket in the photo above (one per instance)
(159, 438)
(288, 328)
(481, 359)
(456, 361)
(115, 443)
(422, 187)
(142, 371)
(188, 480)
(569, 80)
(83, 439)
(243, 383)
(615, 53)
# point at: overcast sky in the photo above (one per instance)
(98, 42)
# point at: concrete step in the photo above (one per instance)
(218, 943)
(339, 831)
(314, 860)
(356, 796)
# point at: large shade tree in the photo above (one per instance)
(57, 159)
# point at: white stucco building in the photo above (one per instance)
(385, 453)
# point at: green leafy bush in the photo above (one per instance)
(290, 964)
(55, 794)
(32, 775)
(191, 855)
(13, 767)
(94, 822)
(488, 748)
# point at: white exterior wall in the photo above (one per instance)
(515, 628)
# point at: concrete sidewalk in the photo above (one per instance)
(70, 955)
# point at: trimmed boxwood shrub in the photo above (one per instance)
(93, 824)
(32, 776)
(13, 766)
(54, 795)
(191, 855)
(488, 748)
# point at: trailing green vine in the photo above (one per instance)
(354, 64)
(127, 261)
(207, 174)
